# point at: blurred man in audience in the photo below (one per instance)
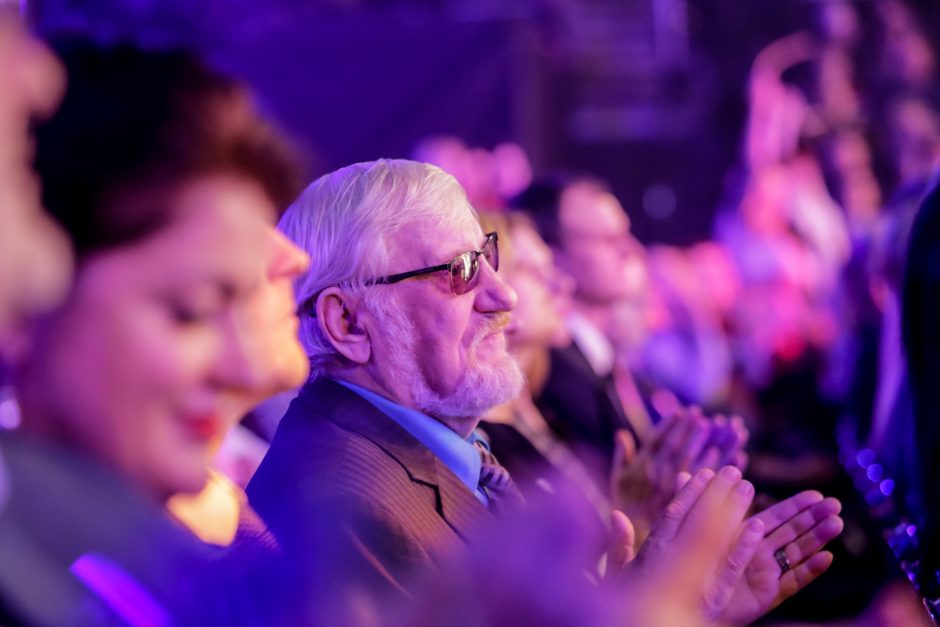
(585, 395)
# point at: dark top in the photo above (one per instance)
(583, 409)
(79, 545)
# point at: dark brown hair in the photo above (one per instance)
(136, 125)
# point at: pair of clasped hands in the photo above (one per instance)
(701, 559)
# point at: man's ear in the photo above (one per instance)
(338, 317)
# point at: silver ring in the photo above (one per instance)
(782, 561)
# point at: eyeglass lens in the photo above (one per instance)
(464, 269)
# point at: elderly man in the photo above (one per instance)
(402, 316)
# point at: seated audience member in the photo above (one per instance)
(920, 313)
(220, 514)
(167, 191)
(888, 425)
(408, 350)
(516, 431)
(589, 234)
(35, 262)
(34, 254)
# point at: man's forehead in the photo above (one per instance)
(439, 240)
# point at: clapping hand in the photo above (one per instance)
(695, 557)
(644, 481)
(790, 555)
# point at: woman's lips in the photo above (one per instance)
(203, 426)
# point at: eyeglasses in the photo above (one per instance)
(464, 269)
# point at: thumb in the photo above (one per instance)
(624, 454)
(620, 542)
(624, 448)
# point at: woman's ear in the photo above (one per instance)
(337, 314)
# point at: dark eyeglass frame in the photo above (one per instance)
(472, 263)
(469, 260)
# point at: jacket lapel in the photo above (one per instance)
(456, 504)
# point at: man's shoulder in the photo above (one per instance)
(324, 452)
(316, 459)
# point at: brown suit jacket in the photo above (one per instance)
(347, 490)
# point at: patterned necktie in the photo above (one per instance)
(494, 478)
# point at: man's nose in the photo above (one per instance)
(493, 293)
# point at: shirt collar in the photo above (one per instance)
(593, 343)
(459, 455)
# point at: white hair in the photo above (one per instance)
(347, 221)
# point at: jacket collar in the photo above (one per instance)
(333, 402)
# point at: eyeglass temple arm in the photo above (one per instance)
(309, 304)
(395, 278)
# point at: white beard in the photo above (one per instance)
(481, 387)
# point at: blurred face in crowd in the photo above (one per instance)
(544, 292)
(597, 248)
(141, 362)
(270, 330)
(442, 353)
(34, 254)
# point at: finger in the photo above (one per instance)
(812, 541)
(663, 431)
(724, 437)
(667, 525)
(696, 439)
(709, 515)
(743, 433)
(777, 514)
(620, 542)
(665, 403)
(673, 440)
(732, 567)
(735, 509)
(733, 441)
(740, 499)
(720, 429)
(740, 460)
(795, 580)
(711, 458)
(624, 448)
(803, 522)
(682, 478)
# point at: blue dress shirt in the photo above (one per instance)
(459, 455)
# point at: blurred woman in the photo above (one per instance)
(167, 185)
(518, 433)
